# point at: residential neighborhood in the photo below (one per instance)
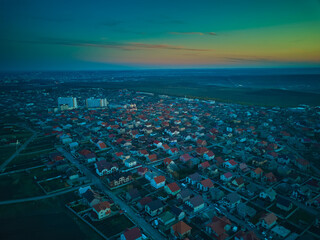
(165, 167)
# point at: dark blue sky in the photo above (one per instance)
(56, 35)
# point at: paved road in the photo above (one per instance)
(139, 221)
(3, 165)
(41, 197)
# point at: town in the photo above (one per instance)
(138, 165)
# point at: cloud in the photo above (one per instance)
(168, 21)
(111, 23)
(50, 19)
(249, 59)
(193, 33)
(128, 46)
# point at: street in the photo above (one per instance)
(140, 222)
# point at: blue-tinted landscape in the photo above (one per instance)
(178, 120)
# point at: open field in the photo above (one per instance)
(19, 185)
(113, 225)
(23, 184)
(13, 133)
(54, 185)
(45, 219)
(40, 144)
(6, 152)
(262, 90)
(26, 160)
(301, 217)
(247, 96)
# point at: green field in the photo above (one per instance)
(14, 133)
(113, 225)
(40, 144)
(27, 160)
(247, 96)
(54, 185)
(301, 217)
(18, 185)
(6, 152)
(23, 184)
(46, 219)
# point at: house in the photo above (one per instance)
(185, 157)
(104, 168)
(218, 227)
(142, 171)
(202, 150)
(152, 157)
(270, 177)
(257, 173)
(130, 163)
(246, 236)
(196, 203)
(281, 232)
(181, 230)
(173, 151)
(102, 209)
(88, 155)
(302, 164)
(167, 161)
(193, 178)
(117, 179)
(142, 202)
(232, 200)
(269, 194)
(226, 177)
(208, 155)
(133, 194)
(201, 143)
(150, 175)
(172, 188)
(154, 207)
(177, 212)
(245, 211)
(184, 195)
(204, 165)
(252, 189)
(143, 153)
(101, 145)
(205, 184)
(166, 218)
(238, 182)
(244, 167)
(231, 164)
(216, 194)
(165, 147)
(157, 143)
(91, 197)
(268, 220)
(158, 182)
(132, 234)
(284, 204)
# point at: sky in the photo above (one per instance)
(135, 34)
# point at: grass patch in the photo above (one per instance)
(301, 217)
(6, 152)
(40, 144)
(113, 225)
(23, 161)
(45, 219)
(54, 185)
(281, 212)
(19, 185)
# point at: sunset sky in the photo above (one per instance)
(133, 34)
